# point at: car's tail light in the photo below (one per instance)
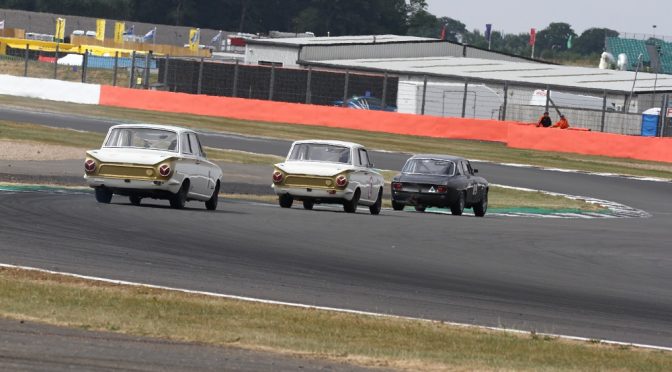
(441, 189)
(397, 186)
(341, 181)
(90, 165)
(164, 170)
(278, 177)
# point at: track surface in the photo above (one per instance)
(606, 278)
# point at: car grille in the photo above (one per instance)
(309, 181)
(127, 171)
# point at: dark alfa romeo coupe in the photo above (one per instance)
(440, 181)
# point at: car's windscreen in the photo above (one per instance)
(320, 152)
(429, 166)
(143, 138)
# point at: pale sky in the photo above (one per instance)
(517, 16)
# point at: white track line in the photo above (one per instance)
(332, 309)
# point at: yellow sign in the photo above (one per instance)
(60, 29)
(100, 29)
(119, 28)
(194, 38)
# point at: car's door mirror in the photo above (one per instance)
(475, 171)
(204, 155)
(370, 165)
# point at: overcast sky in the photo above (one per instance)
(517, 16)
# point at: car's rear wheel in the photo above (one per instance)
(135, 200)
(285, 200)
(179, 200)
(375, 208)
(420, 208)
(458, 207)
(482, 206)
(103, 195)
(397, 206)
(351, 206)
(308, 204)
(211, 204)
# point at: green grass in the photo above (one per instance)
(366, 340)
(480, 150)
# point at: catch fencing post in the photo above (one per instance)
(464, 97)
(424, 95)
(165, 71)
(384, 97)
(25, 68)
(200, 76)
(85, 65)
(116, 65)
(271, 84)
(234, 90)
(56, 62)
(131, 84)
(506, 100)
(148, 61)
(663, 115)
(604, 111)
(345, 88)
(548, 98)
(309, 77)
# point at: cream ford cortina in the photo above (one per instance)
(153, 161)
(333, 172)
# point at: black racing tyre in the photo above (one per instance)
(351, 206)
(103, 195)
(397, 206)
(211, 204)
(308, 204)
(420, 208)
(179, 200)
(134, 199)
(285, 200)
(482, 206)
(378, 205)
(458, 207)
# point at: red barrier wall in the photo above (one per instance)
(282, 112)
(515, 135)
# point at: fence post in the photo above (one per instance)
(56, 62)
(464, 97)
(234, 92)
(548, 98)
(85, 65)
(506, 100)
(345, 88)
(165, 72)
(116, 66)
(131, 83)
(663, 115)
(200, 76)
(271, 84)
(148, 61)
(25, 68)
(309, 94)
(604, 111)
(384, 97)
(424, 95)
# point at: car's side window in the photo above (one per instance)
(471, 170)
(186, 145)
(464, 169)
(195, 145)
(363, 158)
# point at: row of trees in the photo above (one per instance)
(336, 17)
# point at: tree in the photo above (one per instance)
(592, 40)
(554, 37)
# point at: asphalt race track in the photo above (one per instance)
(600, 278)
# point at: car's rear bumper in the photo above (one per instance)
(128, 186)
(314, 194)
(440, 200)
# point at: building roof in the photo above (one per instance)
(338, 40)
(521, 73)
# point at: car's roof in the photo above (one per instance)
(437, 157)
(330, 142)
(154, 126)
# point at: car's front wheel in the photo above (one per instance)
(397, 206)
(103, 195)
(482, 206)
(375, 208)
(458, 207)
(420, 208)
(211, 204)
(308, 204)
(351, 206)
(135, 200)
(285, 200)
(179, 200)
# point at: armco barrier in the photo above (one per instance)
(53, 90)
(282, 112)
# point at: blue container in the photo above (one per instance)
(650, 125)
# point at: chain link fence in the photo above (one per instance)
(420, 95)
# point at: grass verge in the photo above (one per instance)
(495, 152)
(365, 340)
